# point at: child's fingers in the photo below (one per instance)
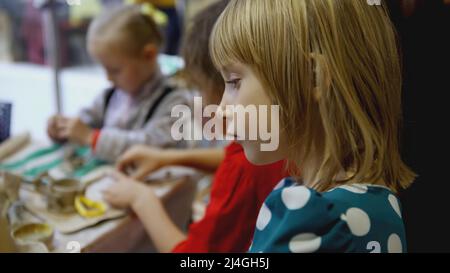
(109, 193)
(51, 121)
(54, 133)
(62, 122)
(63, 132)
(60, 125)
(110, 174)
(129, 160)
(124, 163)
(141, 173)
(112, 199)
(131, 154)
(52, 127)
(116, 176)
(63, 119)
(65, 128)
(108, 197)
(106, 194)
(51, 130)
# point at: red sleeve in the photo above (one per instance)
(95, 137)
(237, 193)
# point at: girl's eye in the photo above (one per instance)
(234, 83)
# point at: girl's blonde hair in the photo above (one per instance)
(333, 67)
(128, 27)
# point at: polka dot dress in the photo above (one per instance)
(350, 218)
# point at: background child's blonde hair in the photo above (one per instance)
(128, 26)
(333, 67)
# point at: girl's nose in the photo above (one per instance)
(224, 110)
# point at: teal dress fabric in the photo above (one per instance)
(351, 218)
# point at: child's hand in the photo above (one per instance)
(139, 161)
(53, 128)
(75, 131)
(126, 192)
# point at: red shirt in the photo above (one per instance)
(238, 192)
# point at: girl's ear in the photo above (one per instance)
(150, 52)
(322, 77)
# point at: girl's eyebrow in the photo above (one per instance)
(226, 69)
(231, 69)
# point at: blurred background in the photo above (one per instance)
(44, 64)
(424, 30)
(45, 68)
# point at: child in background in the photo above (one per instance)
(336, 77)
(173, 29)
(137, 109)
(236, 193)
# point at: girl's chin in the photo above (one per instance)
(252, 152)
(254, 155)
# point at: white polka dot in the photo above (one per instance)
(357, 220)
(279, 185)
(305, 243)
(355, 188)
(374, 247)
(394, 203)
(295, 197)
(394, 244)
(264, 217)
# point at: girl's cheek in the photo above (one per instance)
(228, 98)
(230, 91)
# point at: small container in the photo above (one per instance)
(60, 194)
(33, 237)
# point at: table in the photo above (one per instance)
(176, 186)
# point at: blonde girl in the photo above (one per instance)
(333, 68)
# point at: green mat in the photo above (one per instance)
(84, 152)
